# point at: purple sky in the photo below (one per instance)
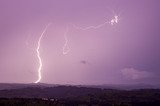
(128, 52)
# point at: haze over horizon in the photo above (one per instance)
(125, 53)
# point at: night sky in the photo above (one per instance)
(127, 52)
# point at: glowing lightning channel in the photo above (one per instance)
(38, 54)
(66, 49)
(112, 22)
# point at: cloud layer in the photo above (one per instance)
(134, 74)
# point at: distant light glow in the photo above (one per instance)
(114, 20)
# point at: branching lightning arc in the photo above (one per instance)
(66, 48)
(38, 54)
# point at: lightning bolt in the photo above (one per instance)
(66, 48)
(38, 54)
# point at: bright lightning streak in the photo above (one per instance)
(112, 22)
(66, 49)
(38, 54)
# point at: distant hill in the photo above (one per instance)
(105, 86)
(20, 85)
(66, 91)
(48, 92)
(127, 86)
(62, 91)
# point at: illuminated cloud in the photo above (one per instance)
(134, 74)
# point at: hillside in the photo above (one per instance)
(76, 96)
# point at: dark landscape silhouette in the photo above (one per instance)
(68, 95)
